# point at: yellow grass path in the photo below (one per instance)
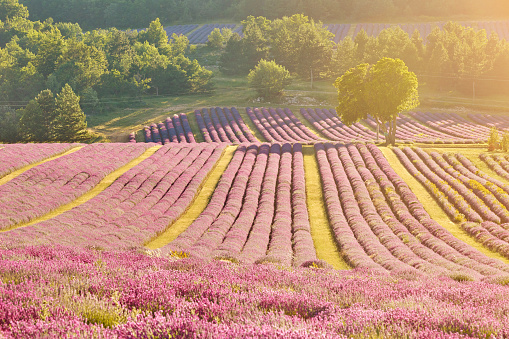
(101, 186)
(18, 172)
(325, 243)
(433, 208)
(197, 206)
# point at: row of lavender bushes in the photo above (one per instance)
(138, 206)
(380, 224)
(258, 211)
(175, 129)
(16, 156)
(52, 184)
(223, 125)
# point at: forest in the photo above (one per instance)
(90, 14)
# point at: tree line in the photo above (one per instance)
(91, 14)
(454, 57)
(98, 66)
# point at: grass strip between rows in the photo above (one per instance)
(434, 209)
(325, 243)
(18, 172)
(197, 205)
(101, 186)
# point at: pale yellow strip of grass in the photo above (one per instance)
(433, 208)
(18, 172)
(101, 186)
(325, 243)
(197, 206)
(191, 118)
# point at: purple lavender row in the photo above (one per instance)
(191, 299)
(492, 195)
(321, 126)
(50, 185)
(218, 228)
(226, 125)
(236, 237)
(156, 137)
(445, 184)
(499, 122)
(342, 131)
(259, 236)
(370, 230)
(242, 125)
(273, 127)
(303, 245)
(195, 231)
(352, 250)
(210, 126)
(479, 175)
(304, 131)
(419, 132)
(165, 137)
(221, 131)
(420, 224)
(474, 202)
(280, 245)
(262, 127)
(437, 191)
(236, 129)
(135, 208)
(425, 252)
(280, 124)
(357, 128)
(201, 125)
(493, 236)
(448, 124)
(494, 164)
(178, 128)
(172, 134)
(16, 156)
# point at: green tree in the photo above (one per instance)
(70, 122)
(37, 119)
(9, 121)
(218, 37)
(383, 90)
(12, 9)
(268, 79)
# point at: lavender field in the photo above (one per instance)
(77, 221)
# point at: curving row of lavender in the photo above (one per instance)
(130, 295)
(175, 129)
(461, 189)
(138, 206)
(258, 211)
(330, 126)
(16, 156)
(281, 125)
(379, 223)
(223, 125)
(453, 125)
(500, 122)
(499, 163)
(52, 184)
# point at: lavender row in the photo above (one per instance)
(497, 121)
(58, 182)
(223, 125)
(138, 206)
(497, 163)
(146, 297)
(454, 125)
(175, 129)
(438, 190)
(200, 35)
(411, 213)
(247, 222)
(491, 235)
(16, 156)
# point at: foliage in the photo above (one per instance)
(504, 144)
(269, 79)
(9, 120)
(383, 90)
(218, 37)
(493, 139)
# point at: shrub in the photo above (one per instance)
(505, 142)
(268, 79)
(493, 139)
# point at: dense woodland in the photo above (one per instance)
(139, 13)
